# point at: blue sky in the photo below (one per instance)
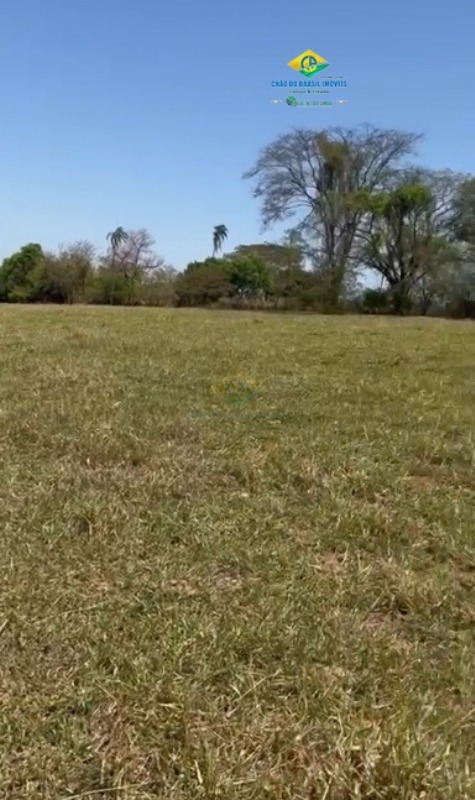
(143, 113)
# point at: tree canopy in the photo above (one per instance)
(359, 209)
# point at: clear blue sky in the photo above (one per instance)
(144, 113)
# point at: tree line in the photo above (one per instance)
(357, 205)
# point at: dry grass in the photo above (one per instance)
(206, 600)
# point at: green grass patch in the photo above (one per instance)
(208, 593)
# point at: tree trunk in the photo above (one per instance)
(400, 299)
(334, 289)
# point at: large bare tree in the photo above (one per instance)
(317, 176)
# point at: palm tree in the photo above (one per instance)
(115, 237)
(220, 234)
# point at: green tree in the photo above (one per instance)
(64, 277)
(220, 234)
(283, 261)
(464, 212)
(17, 274)
(209, 262)
(456, 288)
(204, 285)
(317, 175)
(406, 238)
(279, 258)
(249, 274)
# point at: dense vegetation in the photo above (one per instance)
(360, 207)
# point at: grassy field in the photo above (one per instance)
(206, 598)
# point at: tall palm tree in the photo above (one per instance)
(115, 237)
(220, 234)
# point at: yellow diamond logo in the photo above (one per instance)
(308, 63)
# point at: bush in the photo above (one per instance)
(375, 301)
(462, 308)
(108, 288)
(156, 292)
